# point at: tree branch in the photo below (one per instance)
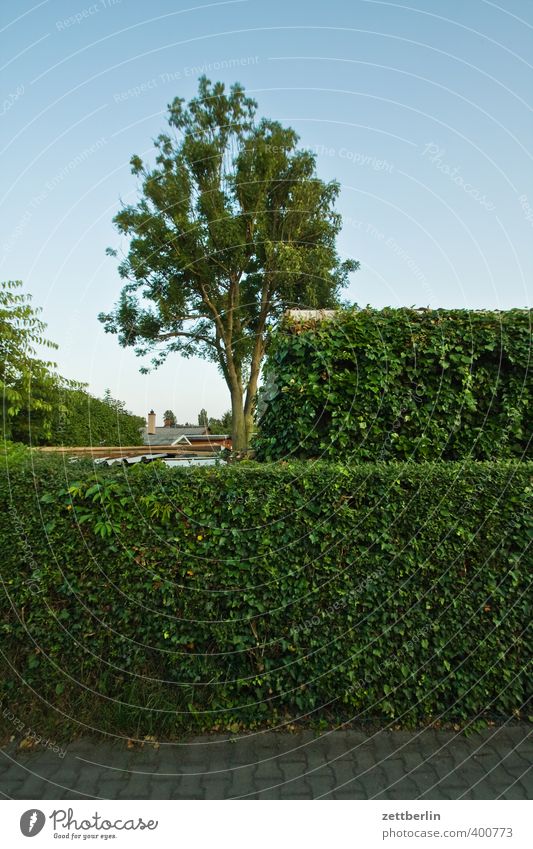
(199, 336)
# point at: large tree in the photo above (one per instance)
(231, 228)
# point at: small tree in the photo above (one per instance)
(221, 425)
(168, 416)
(31, 391)
(203, 419)
(233, 226)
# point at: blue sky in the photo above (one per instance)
(422, 111)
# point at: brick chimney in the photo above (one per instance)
(151, 422)
(168, 422)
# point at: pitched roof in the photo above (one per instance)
(168, 435)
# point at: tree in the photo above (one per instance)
(232, 227)
(93, 421)
(168, 416)
(31, 391)
(221, 425)
(203, 420)
(108, 398)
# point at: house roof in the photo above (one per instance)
(168, 435)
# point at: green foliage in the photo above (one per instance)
(150, 601)
(82, 419)
(221, 425)
(169, 416)
(28, 385)
(399, 384)
(233, 225)
(74, 417)
(13, 452)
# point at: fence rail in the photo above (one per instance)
(206, 448)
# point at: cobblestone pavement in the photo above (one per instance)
(493, 764)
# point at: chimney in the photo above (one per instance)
(151, 422)
(168, 422)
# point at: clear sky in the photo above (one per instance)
(422, 111)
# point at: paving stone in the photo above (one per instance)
(218, 790)
(242, 784)
(267, 772)
(32, 788)
(268, 794)
(401, 791)
(362, 759)
(136, 787)
(186, 793)
(353, 791)
(164, 789)
(109, 789)
(14, 788)
(344, 764)
(516, 791)
(481, 790)
(291, 770)
(307, 796)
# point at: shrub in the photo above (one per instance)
(159, 600)
(93, 421)
(399, 384)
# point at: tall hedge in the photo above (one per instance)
(399, 384)
(80, 419)
(155, 600)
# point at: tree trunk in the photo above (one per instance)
(249, 424)
(251, 389)
(239, 436)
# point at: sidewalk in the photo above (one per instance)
(429, 764)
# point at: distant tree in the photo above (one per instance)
(233, 226)
(203, 419)
(168, 415)
(226, 422)
(108, 398)
(32, 392)
(221, 425)
(114, 403)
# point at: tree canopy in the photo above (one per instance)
(168, 416)
(31, 390)
(232, 227)
(39, 406)
(221, 425)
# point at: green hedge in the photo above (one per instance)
(399, 384)
(156, 600)
(79, 419)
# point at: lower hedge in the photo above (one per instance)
(159, 600)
